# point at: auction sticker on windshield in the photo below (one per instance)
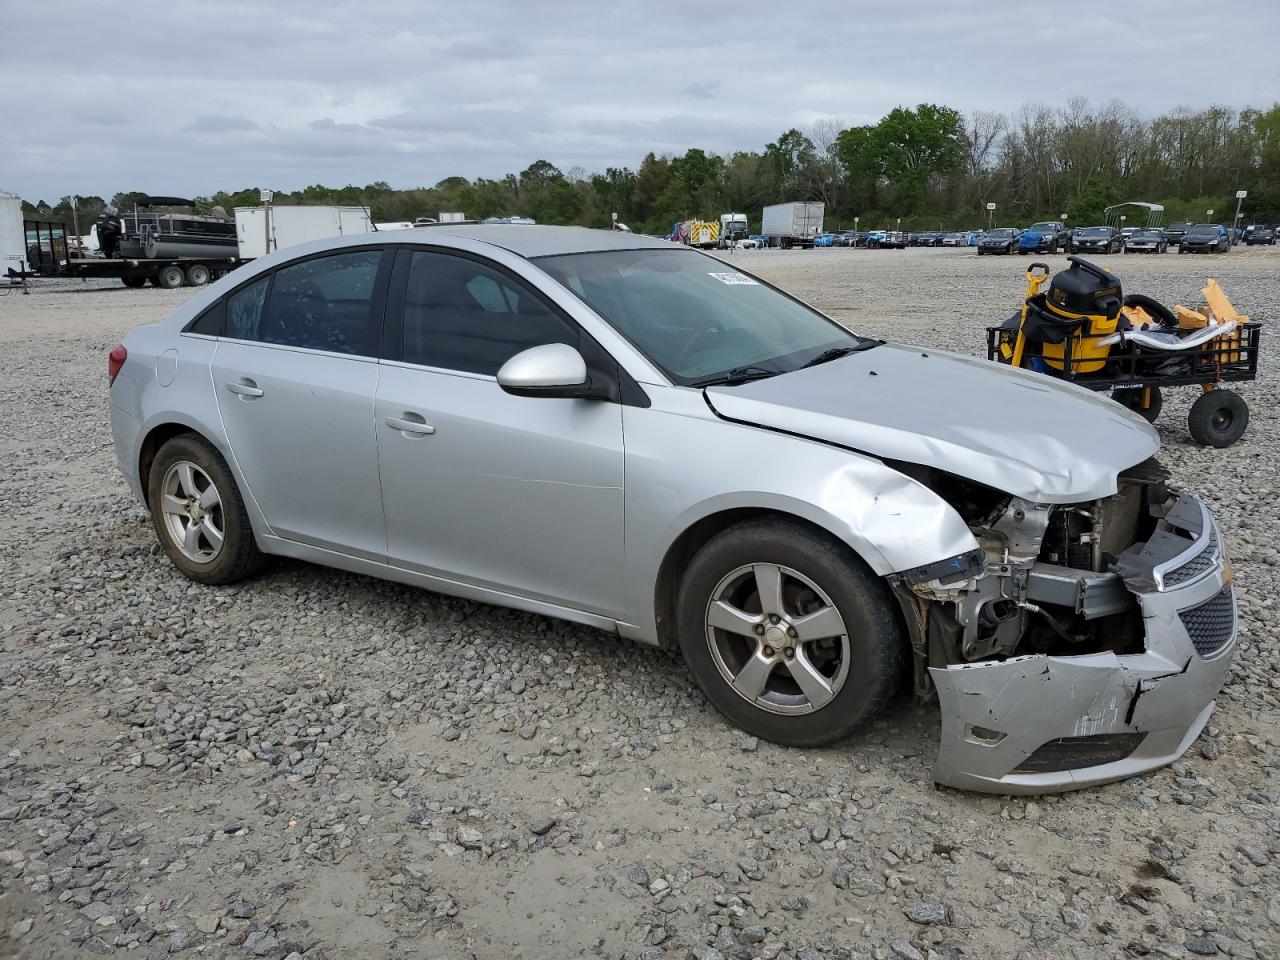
(734, 279)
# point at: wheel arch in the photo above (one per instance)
(155, 435)
(687, 543)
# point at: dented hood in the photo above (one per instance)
(1024, 433)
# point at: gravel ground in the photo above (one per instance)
(321, 765)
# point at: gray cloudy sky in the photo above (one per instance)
(185, 97)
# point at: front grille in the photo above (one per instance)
(1073, 753)
(1210, 624)
(1201, 563)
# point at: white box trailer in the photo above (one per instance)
(13, 235)
(795, 224)
(290, 225)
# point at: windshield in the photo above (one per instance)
(1002, 234)
(1201, 228)
(696, 317)
(1148, 235)
(1044, 227)
(1095, 232)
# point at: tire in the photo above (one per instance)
(170, 277)
(1218, 418)
(1132, 400)
(133, 283)
(860, 668)
(196, 275)
(185, 468)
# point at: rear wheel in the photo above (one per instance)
(197, 275)
(199, 514)
(134, 282)
(170, 277)
(1218, 418)
(1133, 400)
(788, 633)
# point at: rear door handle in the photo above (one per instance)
(412, 424)
(245, 388)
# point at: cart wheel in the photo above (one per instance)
(1133, 400)
(1218, 418)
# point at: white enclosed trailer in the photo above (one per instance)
(289, 225)
(13, 235)
(794, 224)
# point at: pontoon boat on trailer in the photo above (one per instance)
(172, 235)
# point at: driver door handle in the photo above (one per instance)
(411, 424)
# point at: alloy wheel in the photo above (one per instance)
(777, 639)
(192, 510)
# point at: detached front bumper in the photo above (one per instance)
(1043, 724)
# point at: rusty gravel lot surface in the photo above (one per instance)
(315, 764)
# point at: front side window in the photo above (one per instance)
(698, 318)
(324, 303)
(462, 315)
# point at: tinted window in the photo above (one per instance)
(461, 315)
(244, 310)
(324, 304)
(209, 322)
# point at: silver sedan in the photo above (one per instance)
(639, 437)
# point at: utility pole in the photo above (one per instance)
(266, 196)
(1235, 226)
(75, 216)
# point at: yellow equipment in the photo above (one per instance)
(1081, 307)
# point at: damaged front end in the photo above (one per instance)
(1082, 643)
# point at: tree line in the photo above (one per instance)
(930, 165)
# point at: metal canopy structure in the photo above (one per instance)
(1155, 213)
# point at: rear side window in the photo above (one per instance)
(462, 315)
(209, 323)
(324, 304)
(244, 310)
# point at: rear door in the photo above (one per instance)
(518, 494)
(295, 376)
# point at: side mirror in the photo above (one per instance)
(549, 370)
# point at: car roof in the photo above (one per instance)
(531, 240)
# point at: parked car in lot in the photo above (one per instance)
(1259, 235)
(1206, 238)
(824, 240)
(955, 240)
(894, 240)
(609, 429)
(1097, 240)
(1147, 241)
(1048, 236)
(1000, 240)
(1175, 231)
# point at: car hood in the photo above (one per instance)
(1024, 433)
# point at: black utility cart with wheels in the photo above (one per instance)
(1083, 329)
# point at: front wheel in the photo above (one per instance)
(199, 514)
(788, 633)
(1218, 418)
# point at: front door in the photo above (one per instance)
(518, 494)
(295, 376)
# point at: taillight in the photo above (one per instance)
(115, 360)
